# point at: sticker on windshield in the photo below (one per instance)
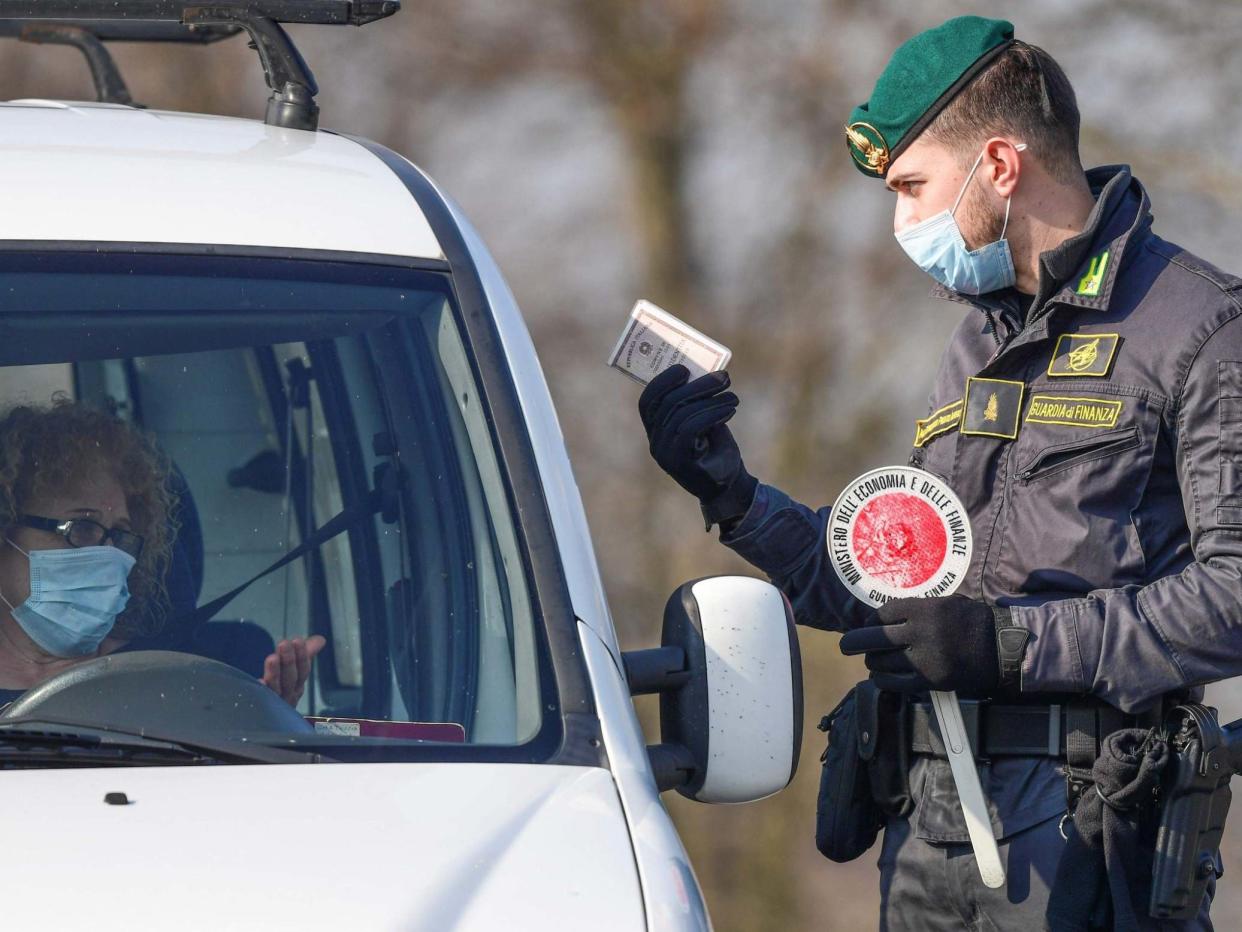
(450, 732)
(899, 532)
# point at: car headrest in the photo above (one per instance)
(185, 569)
(184, 579)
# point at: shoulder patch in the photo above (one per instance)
(992, 408)
(1079, 355)
(940, 421)
(1073, 411)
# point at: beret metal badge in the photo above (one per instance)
(868, 147)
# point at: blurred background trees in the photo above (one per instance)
(690, 152)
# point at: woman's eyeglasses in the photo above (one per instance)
(83, 532)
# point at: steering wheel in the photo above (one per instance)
(168, 693)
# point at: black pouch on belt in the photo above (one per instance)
(847, 817)
(888, 759)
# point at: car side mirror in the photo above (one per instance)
(729, 676)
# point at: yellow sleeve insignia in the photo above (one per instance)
(940, 421)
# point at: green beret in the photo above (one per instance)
(923, 75)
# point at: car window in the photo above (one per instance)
(286, 395)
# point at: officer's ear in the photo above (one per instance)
(1002, 164)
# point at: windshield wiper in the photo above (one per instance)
(53, 740)
(32, 748)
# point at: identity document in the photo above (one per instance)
(653, 340)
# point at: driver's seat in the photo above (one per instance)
(242, 644)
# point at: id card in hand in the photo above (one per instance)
(653, 340)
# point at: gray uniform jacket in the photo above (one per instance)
(1096, 442)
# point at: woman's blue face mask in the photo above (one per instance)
(75, 595)
(937, 247)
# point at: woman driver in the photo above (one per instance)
(84, 502)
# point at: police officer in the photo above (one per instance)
(1088, 413)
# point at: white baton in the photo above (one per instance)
(969, 791)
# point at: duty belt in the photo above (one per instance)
(1071, 731)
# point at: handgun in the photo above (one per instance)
(1195, 797)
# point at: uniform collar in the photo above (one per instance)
(1082, 270)
(1122, 216)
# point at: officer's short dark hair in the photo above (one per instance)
(1023, 94)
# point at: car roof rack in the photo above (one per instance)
(88, 38)
(87, 24)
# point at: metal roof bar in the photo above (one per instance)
(88, 36)
(109, 85)
(322, 12)
(292, 104)
(107, 30)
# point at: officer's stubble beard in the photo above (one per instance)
(980, 218)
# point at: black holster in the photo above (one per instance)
(1195, 801)
(865, 776)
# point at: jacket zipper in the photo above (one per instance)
(1042, 464)
(994, 330)
(992, 327)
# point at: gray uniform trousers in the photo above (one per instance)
(927, 887)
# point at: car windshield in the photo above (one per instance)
(320, 408)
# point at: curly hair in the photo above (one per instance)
(45, 449)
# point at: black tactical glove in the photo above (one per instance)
(941, 643)
(685, 422)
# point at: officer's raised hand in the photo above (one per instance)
(688, 437)
(940, 643)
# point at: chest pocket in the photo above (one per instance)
(1053, 459)
(1076, 475)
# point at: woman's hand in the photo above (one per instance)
(287, 670)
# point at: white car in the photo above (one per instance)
(324, 348)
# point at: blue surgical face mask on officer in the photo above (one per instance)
(937, 247)
(76, 594)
